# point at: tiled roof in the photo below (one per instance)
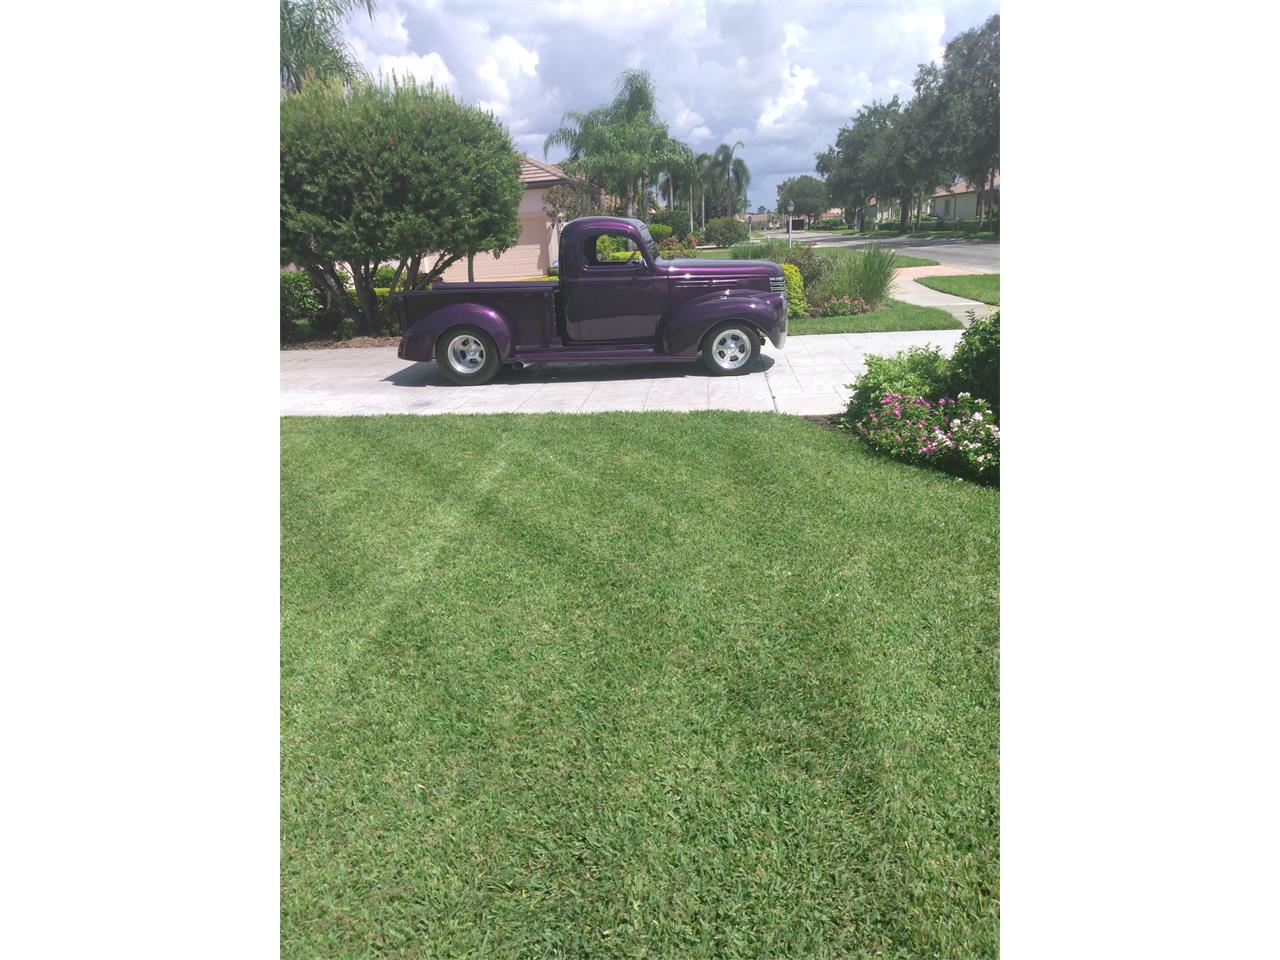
(536, 173)
(963, 186)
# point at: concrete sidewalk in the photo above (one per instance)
(808, 377)
(907, 290)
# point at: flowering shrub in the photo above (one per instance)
(960, 436)
(915, 372)
(840, 306)
(672, 249)
(975, 365)
(797, 305)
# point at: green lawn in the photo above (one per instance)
(984, 287)
(621, 685)
(894, 315)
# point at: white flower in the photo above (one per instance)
(977, 416)
(963, 396)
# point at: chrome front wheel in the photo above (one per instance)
(730, 349)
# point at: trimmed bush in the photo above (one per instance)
(725, 231)
(677, 220)
(299, 305)
(975, 364)
(797, 305)
(659, 232)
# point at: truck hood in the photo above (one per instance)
(724, 268)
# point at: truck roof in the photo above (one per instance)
(605, 223)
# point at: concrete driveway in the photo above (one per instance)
(807, 378)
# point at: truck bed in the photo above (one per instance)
(529, 306)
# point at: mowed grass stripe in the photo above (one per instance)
(711, 684)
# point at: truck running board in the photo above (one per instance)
(597, 355)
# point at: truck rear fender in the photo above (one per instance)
(424, 334)
(683, 330)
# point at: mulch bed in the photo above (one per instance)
(342, 344)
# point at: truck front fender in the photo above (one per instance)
(683, 330)
(420, 340)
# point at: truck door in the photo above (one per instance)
(611, 300)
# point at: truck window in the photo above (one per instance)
(607, 249)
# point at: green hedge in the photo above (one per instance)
(797, 305)
(659, 232)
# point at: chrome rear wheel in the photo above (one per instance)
(466, 354)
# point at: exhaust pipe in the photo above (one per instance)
(517, 364)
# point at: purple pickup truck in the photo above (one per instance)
(602, 310)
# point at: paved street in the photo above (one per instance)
(954, 257)
(808, 377)
(980, 256)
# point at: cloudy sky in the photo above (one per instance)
(782, 77)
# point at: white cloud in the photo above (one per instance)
(791, 100)
(422, 67)
(781, 76)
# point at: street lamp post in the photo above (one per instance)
(791, 205)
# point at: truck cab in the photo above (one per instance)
(616, 300)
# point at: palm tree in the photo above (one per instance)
(704, 176)
(678, 175)
(739, 181)
(619, 145)
(312, 46)
(733, 173)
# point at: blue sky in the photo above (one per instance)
(782, 77)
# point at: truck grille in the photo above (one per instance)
(778, 284)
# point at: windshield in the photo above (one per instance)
(649, 245)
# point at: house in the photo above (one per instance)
(539, 241)
(960, 200)
(758, 221)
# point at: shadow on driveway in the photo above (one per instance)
(427, 374)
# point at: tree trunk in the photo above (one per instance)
(644, 197)
(904, 215)
(369, 321)
(471, 268)
(704, 208)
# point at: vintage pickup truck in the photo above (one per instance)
(602, 309)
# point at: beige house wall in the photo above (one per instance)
(532, 254)
(964, 206)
